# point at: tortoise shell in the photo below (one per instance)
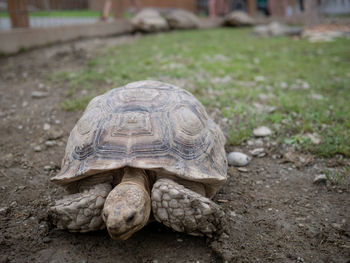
(149, 125)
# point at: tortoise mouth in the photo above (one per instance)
(123, 235)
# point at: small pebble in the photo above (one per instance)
(46, 127)
(47, 167)
(37, 148)
(314, 137)
(4, 210)
(257, 151)
(320, 179)
(259, 78)
(46, 240)
(55, 134)
(50, 143)
(39, 94)
(238, 159)
(336, 226)
(243, 170)
(283, 85)
(262, 131)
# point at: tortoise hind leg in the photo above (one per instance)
(185, 210)
(81, 212)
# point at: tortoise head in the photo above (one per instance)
(126, 209)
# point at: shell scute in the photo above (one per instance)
(149, 125)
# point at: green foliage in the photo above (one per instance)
(307, 84)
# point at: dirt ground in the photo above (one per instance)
(274, 211)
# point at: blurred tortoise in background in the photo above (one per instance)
(145, 146)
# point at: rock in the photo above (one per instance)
(149, 20)
(298, 159)
(25, 104)
(238, 18)
(238, 159)
(46, 240)
(300, 84)
(320, 179)
(258, 152)
(316, 96)
(13, 204)
(275, 29)
(283, 85)
(39, 94)
(37, 148)
(54, 134)
(264, 108)
(47, 167)
(243, 170)
(46, 127)
(181, 19)
(314, 137)
(257, 142)
(4, 210)
(259, 78)
(262, 131)
(50, 143)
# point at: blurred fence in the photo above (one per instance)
(45, 13)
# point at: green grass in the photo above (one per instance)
(220, 67)
(61, 13)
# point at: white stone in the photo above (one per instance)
(50, 143)
(257, 151)
(259, 78)
(321, 178)
(283, 85)
(39, 94)
(238, 159)
(46, 127)
(314, 137)
(262, 131)
(37, 148)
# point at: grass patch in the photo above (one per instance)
(293, 86)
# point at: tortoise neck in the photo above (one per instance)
(136, 176)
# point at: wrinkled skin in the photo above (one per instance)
(126, 210)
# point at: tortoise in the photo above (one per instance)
(145, 146)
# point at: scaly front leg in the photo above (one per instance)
(185, 210)
(81, 212)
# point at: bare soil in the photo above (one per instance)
(274, 211)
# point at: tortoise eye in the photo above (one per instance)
(130, 218)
